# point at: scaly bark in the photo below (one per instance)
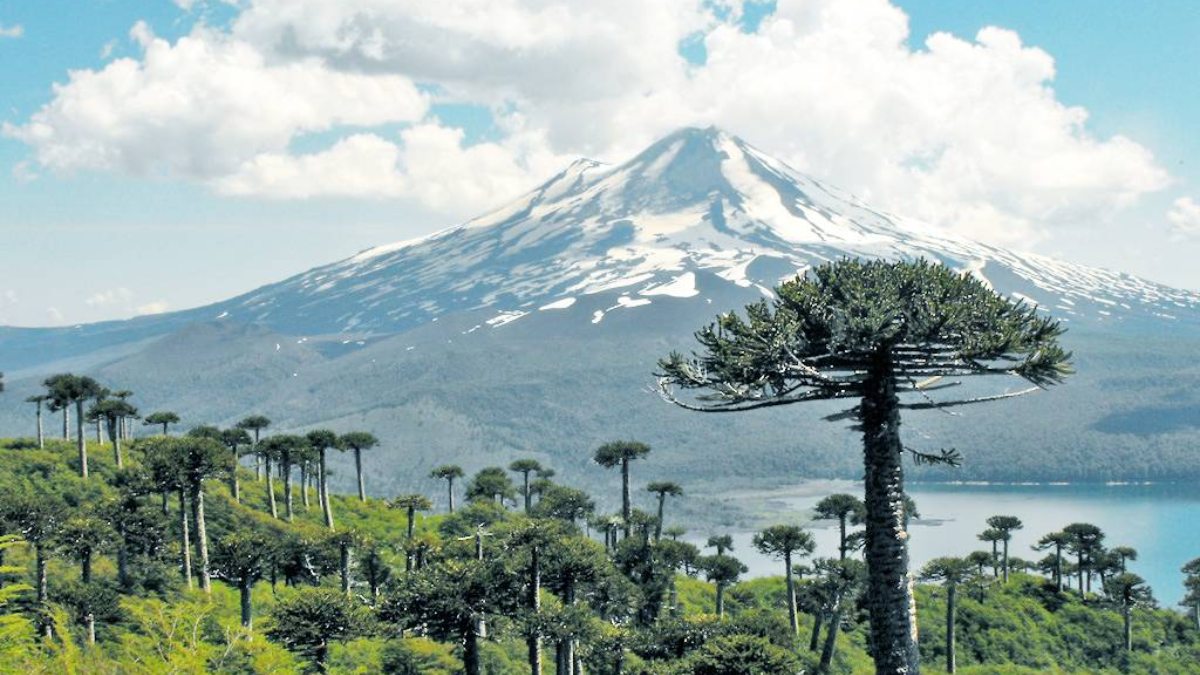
(890, 601)
(201, 536)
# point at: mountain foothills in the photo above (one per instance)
(223, 551)
(534, 331)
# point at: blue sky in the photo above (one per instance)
(133, 205)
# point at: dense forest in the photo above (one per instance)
(176, 562)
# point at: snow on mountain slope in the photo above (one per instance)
(697, 201)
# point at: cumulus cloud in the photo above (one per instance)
(108, 297)
(156, 307)
(966, 133)
(1184, 217)
(201, 107)
(14, 31)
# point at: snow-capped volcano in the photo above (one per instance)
(698, 202)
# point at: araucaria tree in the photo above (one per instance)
(846, 509)
(75, 390)
(525, 467)
(162, 418)
(950, 572)
(662, 489)
(255, 424)
(871, 331)
(1058, 541)
(240, 558)
(786, 542)
(448, 473)
(621, 453)
(1005, 525)
(322, 440)
(358, 441)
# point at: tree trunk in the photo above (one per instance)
(815, 639)
(842, 535)
(201, 536)
(362, 490)
(450, 491)
(247, 608)
(122, 565)
(535, 605)
(89, 621)
(1058, 577)
(344, 566)
(626, 507)
(658, 525)
(270, 487)
(835, 623)
(791, 593)
(41, 435)
(1006, 561)
(39, 551)
(951, 592)
(166, 508)
(471, 653)
(720, 600)
(66, 431)
(99, 434)
(323, 486)
(304, 486)
(1127, 615)
(116, 441)
(235, 485)
(893, 627)
(287, 489)
(185, 558)
(528, 496)
(412, 521)
(1079, 561)
(85, 567)
(81, 441)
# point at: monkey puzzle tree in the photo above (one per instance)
(67, 390)
(162, 418)
(1086, 542)
(841, 582)
(532, 539)
(1127, 591)
(201, 459)
(81, 537)
(308, 621)
(1124, 555)
(1005, 525)
(285, 449)
(322, 440)
(241, 558)
(786, 542)
(723, 571)
(448, 473)
(846, 509)
(564, 503)
(38, 400)
(255, 425)
(950, 572)
(114, 412)
(235, 439)
(661, 490)
(526, 467)
(358, 441)
(38, 519)
(1058, 541)
(721, 542)
(621, 453)
(411, 504)
(993, 536)
(1191, 583)
(871, 331)
(491, 483)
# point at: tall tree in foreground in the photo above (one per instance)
(235, 439)
(661, 490)
(322, 440)
(1191, 582)
(950, 572)
(307, 622)
(1087, 544)
(1005, 525)
(113, 412)
(847, 510)
(723, 571)
(786, 542)
(621, 453)
(358, 441)
(448, 473)
(871, 331)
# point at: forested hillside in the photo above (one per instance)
(120, 572)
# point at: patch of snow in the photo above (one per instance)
(597, 316)
(505, 318)
(558, 304)
(682, 286)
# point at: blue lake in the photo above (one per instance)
(1162, 521)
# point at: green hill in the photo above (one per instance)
(616, 609)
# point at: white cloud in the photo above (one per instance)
(14, 31)
(156, 307)
(55, 316)
(1184, 217)
(202, 106)
(965, 133)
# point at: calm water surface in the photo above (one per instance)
(1162, 521)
